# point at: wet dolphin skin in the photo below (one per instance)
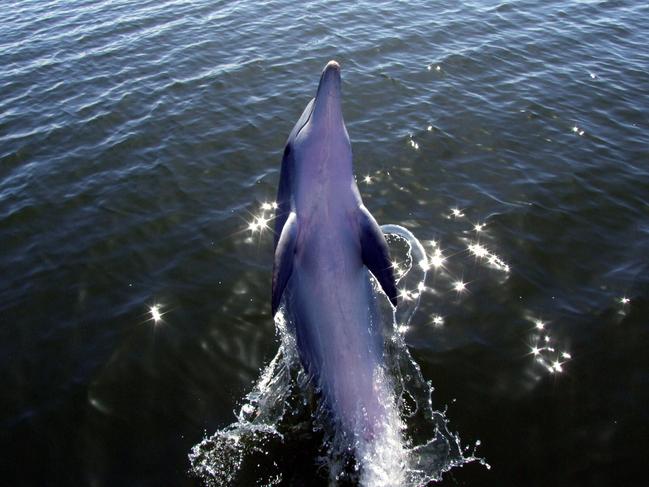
(326, 245)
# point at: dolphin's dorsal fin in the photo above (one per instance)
(283, 263)
(376, 255)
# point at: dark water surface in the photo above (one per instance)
(138, 140)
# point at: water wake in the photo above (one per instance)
(284, 434)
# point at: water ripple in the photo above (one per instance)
(138, 139)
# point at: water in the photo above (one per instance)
(139, 140)
(411, 446)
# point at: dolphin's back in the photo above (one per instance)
(326, 245)
(336, 322)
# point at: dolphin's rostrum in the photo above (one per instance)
(326, 245)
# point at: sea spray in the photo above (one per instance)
(282, 413)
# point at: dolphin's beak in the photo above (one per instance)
(328, 98)
(331, 70)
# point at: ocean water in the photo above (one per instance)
(139, 142)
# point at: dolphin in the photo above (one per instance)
(327, 247)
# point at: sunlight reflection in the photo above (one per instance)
(478, 250)
(268, 206)
(156, 316)
(577, 130)
(406, 295)
(260, 222)
(544, 352)
(481, 252)
(437, 259)
(398, 269)
(459, 287)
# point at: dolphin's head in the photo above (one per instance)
(327, 110)
(319, 144)
(318, 152)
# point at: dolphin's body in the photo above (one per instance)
(326, 245)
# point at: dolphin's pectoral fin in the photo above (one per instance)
(283, 194)
(284, 191)
(283, 263)
(376, 255)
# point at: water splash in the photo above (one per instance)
(281, 416)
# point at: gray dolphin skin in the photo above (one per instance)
(326, 245)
